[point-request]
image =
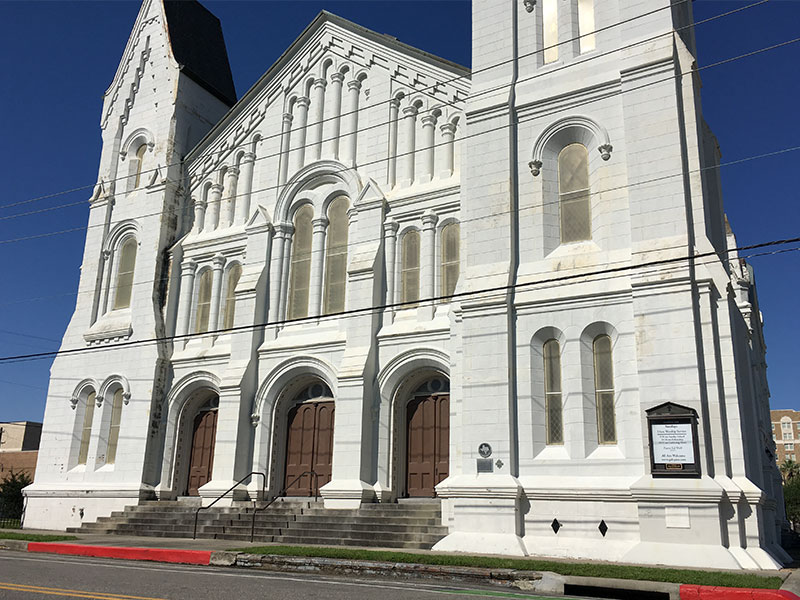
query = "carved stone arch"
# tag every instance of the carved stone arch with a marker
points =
(455, 118)
(345, 67)
(444, 222)
(326, 65)
(273, 384)
(404, 229)
(400, 94)
(587, 363)
(120, 232)
(575, 128)
(361, 75)
(111, 383)
(418, 101)
(83, 388)
(135, 139)
(312, 176)
(308, 83)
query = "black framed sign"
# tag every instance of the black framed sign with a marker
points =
(674, 448)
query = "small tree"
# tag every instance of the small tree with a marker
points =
(11, 500)
(789, 469)
(791, 497)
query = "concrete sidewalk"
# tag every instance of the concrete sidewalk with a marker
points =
(217, 553)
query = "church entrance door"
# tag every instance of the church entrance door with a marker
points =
(204, 435)
(309, 447)
(428, 444)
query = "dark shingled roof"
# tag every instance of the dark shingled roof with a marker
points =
(197, 44)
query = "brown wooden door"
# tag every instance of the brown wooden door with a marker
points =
(428, 444)
(309, 447)
(202, 460)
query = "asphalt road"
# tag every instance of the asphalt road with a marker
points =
(49, 577)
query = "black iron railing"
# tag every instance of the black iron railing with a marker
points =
(315, 478)
(221, 496)
(10, 522)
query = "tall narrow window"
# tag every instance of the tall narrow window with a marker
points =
(450, 258)
(113, 431)
(300, 277)
(586, 25)
(234, 273)
(409, 267)
(554, 424)
(573, 194)
(127, 262)
(86, 431)
(203, 302)
(550, 30)
(137, 179)
(336, 256)
(604, 390)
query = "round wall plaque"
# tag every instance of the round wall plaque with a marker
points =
(485, 450)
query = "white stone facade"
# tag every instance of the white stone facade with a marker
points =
(414, 145)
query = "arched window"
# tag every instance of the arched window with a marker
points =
(137, 178)
(586, 25)
(554, 422)
(86, 431)
(550, 30)
(604, 390)
(234, 273)
(409, 267)
(336, 256)
(113, 431)
(300, 277)
(450, 258)
(573, 194)
(127, 262)
(203, 302)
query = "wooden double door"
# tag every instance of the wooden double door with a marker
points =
(201, 463)
(309, 447)
(428, 444)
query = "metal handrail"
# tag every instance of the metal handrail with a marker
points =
(256, 510)
(233, 487)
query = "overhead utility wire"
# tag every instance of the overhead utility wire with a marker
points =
(354, 311)
(465, 137)
(434, 86)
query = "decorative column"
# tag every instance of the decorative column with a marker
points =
(214, 200)
(331, 144)
(199, 214)
(317, 265)
(394, 108)
(428, 130)
(286, 131)
(315, 131)
(188, 269)
(276, 272)
(107, 268)
(407, 148)
(297, 149)
(245, 189)
(216, 291)
(231, 181)
(427, 271)
(287, 259)
(389, 257)
(446, 160)
(351, 137)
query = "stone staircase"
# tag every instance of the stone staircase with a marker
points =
(404, 525)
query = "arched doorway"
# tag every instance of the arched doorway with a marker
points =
(427, 438)
(201, 456)
(309, 441)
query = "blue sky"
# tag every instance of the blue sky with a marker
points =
(57, 59)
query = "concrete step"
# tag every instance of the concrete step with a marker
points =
(379, 521)
(368, 542)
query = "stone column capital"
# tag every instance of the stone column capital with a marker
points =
(320, 224)
(199, 202)
(287, 118)
(216, 188)
(355, 84)
(284, 229)
(448, 128)
(395, 102)
(337, 77)
(303, 101)
(429, 221)
(232, 172)
(410, 111)
(429, 120)
(218, 262)
(320, 83)
(390, 228)
(248, 157)
(188, 267)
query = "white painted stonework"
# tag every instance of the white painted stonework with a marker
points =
(414, 144)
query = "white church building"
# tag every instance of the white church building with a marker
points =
(495, 288)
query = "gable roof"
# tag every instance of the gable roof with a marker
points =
(198, 46)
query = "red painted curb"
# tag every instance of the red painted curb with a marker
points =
(189, 557)
(707, 592)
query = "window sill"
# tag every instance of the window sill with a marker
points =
(112, 326)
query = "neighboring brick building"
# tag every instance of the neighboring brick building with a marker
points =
(19, 447)
(785, 432)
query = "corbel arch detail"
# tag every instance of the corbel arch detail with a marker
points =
(575, 128)
(84, 387)
(112, 382)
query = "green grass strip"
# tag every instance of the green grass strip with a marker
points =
(34, 537)
(685, 576)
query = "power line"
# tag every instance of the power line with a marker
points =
(455, 296)
(424, 90)
(465, 137)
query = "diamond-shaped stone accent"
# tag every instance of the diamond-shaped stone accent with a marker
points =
(603, 528)
(555, 525)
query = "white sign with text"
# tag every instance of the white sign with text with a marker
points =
(672, 443)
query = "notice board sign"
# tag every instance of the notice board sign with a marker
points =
(674, 451)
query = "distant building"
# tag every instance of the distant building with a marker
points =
(19, 447)
(785, 424)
